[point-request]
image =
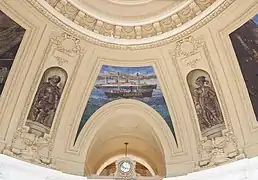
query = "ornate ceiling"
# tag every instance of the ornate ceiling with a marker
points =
(173, 45)
(125, 22)
(129, 12)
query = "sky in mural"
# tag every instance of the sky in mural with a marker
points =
(139, 83)
(255, 19)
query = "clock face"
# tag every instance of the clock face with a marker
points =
(125, 167)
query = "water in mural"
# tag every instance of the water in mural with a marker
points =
(11, 35)
(139, 83)
(245, 43)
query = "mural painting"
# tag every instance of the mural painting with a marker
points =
(245, 43)
(11, 35)
(206, 104)
(139, 83)
(46, 100)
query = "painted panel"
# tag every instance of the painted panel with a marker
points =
(11, 35)
(206, 104)
(46, 100)
(245, 43)
(139, 83)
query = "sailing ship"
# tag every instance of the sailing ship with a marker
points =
(122, 87)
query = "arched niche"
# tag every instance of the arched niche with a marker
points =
(209, 114)
(126, 120)
(46, 100)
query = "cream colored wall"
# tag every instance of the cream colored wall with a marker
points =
(37, 52)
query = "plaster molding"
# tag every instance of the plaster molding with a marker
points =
(129, 43)
(97, 120)
(236, 84)
(26, 145)
(17, 75)
(227, 144)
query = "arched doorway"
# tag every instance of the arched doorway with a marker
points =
(132, 121)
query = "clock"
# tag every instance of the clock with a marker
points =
(125, 166)
(125, 169)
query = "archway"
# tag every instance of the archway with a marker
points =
(123, 120)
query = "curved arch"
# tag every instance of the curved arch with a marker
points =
(162, 135)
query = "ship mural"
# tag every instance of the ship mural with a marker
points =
(139, 83)
(245, 43)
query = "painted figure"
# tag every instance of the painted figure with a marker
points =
(46, 100)
(206, 104)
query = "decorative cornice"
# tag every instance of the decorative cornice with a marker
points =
(105, 29)
(177, 19)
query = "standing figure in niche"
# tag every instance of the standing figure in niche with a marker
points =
(46, 101)
(206, 104)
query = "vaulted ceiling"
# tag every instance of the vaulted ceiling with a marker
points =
(80, 41)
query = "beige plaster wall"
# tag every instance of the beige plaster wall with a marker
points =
(214, 54)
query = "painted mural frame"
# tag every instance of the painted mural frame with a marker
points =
(246, 57)
(244, 95)
(120, 82)
(246, 117)
(75, 148)
(8, 93)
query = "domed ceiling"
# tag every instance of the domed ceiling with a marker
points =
(118, 21)
(129, 12)
(127, 70)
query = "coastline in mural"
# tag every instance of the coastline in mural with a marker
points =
(245, 43)
(139, 83)
(11, 35)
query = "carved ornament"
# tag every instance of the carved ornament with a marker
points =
(216, 144)
(33, 140)
(180, 17)
(119, 32)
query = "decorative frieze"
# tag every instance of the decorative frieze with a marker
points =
(167, 24)
(148, 30)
